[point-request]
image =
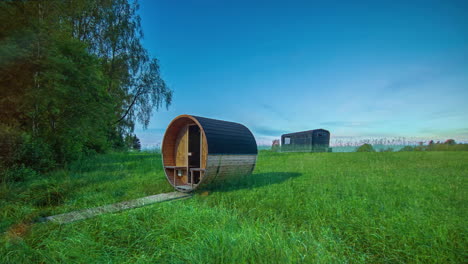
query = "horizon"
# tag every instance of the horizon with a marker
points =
(360, 70)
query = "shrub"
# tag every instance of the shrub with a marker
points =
(450, 147)
(35, 154)
(21, 156)
(9, 144)
(386, 150)
(450, 142)
(275, 146)
(132, 142)
(366, 148)
(407, 148)
(17, 173)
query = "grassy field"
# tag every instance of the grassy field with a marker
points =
(404, 207)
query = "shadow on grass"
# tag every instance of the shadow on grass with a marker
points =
(252, 181)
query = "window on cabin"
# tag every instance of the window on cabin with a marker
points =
(287, 140)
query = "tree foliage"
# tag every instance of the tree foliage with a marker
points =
(366, 148)
(132, 142)
(74, 76)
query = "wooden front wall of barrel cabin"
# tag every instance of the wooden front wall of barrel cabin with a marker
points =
(179, 156)
(192, 158)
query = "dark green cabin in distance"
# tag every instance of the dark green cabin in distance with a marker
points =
(317, 140)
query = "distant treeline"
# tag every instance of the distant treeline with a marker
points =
(74, 80)
(448, 145)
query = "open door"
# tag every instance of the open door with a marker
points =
(194, 152)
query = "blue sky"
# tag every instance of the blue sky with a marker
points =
(356, 68)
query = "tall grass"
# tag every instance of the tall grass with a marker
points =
(405, 207)
(89, 182)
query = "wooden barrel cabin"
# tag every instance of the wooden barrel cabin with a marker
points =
(198, 151)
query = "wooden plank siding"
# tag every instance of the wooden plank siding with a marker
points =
(222, 167)
(181, 147)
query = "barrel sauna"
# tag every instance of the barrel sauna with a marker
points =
(198, 151)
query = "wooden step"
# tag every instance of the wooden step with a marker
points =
(185, 187)
(176, 167)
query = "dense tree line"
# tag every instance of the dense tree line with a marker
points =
(74, 79)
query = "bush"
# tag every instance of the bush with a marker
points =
(17, 173)
(449, 147)
(275, 146)
(450, 142)
(132, 142)
(407, 148)
(21, 156)
(366, 148)
(9, 144)
(35, 154)
(386, 150)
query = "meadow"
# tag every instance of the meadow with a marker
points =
(389, 207)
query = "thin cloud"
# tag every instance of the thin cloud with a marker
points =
(268, 131)
(459, 133)
(275, 111)
(348, 124)
(426, 75)
(445, 114)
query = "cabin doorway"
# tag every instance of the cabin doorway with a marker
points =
(194, 151)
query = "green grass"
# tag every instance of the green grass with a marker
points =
(404, 207)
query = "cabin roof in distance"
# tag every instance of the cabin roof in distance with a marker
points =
(305, 132)
(226, 137)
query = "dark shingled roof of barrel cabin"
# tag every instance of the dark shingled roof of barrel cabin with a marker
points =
(227, 137)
